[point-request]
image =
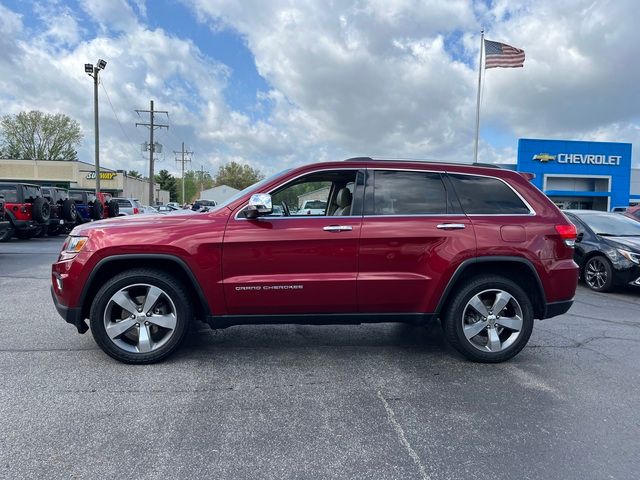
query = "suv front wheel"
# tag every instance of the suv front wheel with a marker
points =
(489, 319)
(140, 316)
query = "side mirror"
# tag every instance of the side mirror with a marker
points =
(259, 204)
(579, 237)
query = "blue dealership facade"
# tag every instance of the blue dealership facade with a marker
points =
(585, 175)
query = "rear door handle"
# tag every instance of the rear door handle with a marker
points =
(451, 226)
(337, 228)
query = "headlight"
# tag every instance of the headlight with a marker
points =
(75, 244)
(632, 257)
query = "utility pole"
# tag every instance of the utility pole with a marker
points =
(202, 172)
(93, 71)
(152, 147)
(183, 161)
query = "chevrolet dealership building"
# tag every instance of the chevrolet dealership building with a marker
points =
(585, 175)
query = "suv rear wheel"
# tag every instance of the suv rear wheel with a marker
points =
(489, 319)
(41, 210)
(140, 316)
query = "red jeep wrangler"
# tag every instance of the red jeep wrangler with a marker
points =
(479, 248)
(27, 210)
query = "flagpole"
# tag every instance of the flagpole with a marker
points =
(475, 145)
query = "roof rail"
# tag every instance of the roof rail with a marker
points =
(420, 160)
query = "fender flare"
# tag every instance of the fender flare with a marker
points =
(150, 256)
(486, 259)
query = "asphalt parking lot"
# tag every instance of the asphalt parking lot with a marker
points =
(272, 402)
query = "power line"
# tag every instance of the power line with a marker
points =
(114, 111)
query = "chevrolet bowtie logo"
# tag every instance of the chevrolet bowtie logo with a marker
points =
(544, 157)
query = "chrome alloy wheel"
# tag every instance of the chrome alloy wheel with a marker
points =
(492, 320)
(140, 318)
(595, 274)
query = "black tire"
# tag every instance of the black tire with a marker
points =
(453, 319)
(7, 234)
(114, 208)
(41, 210)
(97, 210)
(595, 265)
(69, 210)
(41, 231)
(174, 291)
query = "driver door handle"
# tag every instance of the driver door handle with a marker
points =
(337, 228)
(451, 226)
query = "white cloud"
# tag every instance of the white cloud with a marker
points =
(378, 77)
(383, 77)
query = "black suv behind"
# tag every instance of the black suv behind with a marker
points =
(63, 210)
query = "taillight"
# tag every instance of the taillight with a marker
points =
(568, 233)
(135, 210)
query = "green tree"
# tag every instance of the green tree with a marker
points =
(134, 174)
(194, 182)
(236, 175)
(37, 135)
(166, 181)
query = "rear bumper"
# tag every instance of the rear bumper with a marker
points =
(557, 308)
(26, 224)
(71, 315)
(59, 222)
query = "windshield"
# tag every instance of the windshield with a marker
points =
(255, 186)
(611, 224)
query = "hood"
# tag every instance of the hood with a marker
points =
(627, 243)
(139, 221)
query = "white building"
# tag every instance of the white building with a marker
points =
(219, 194)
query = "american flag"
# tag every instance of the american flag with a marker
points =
(502, 55)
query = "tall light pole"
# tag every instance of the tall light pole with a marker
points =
(92, 71)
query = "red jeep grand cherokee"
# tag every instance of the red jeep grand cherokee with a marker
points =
(479, 248)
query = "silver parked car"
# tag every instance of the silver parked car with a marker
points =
(128, 206)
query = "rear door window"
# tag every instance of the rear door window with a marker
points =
(487, 196)
(398, 192)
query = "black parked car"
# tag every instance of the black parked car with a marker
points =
(607, 249)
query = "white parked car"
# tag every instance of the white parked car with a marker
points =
(128, 206)
(313, 207)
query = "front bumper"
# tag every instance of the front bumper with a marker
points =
(70, 314)
(626, 276)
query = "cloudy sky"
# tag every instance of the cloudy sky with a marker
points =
(276, 83)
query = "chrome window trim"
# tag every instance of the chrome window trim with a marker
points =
(297, 217)
(356, 169)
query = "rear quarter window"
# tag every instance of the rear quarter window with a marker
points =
(487, 196)
(10, 194)
(123, 203)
